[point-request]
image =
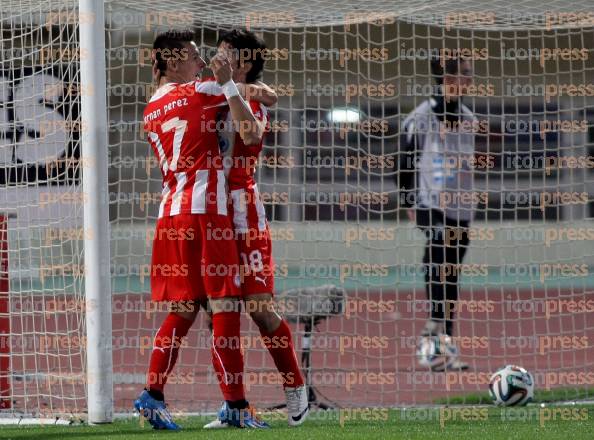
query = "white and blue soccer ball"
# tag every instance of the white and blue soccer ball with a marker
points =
(511, 386)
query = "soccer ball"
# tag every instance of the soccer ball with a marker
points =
(511, 386)
(436, 352)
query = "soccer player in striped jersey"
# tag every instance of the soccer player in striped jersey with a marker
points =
(189, 267)
(246, 52)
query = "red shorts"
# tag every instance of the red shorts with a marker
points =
(194, 258)
(255, 252)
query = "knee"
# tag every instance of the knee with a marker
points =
(267, 321)
(188, 316)
(189, 312)
(208, 321)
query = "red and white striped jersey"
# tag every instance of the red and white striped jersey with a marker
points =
(240, 163)
(181, 123)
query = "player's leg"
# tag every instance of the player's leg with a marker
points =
(257, 290)
(436, 347)
(175, 278)
(168, 339)
(166, 344)
(227, 359)
(431, 223)
(257, 286)
(277, 338)
(455, 251)
(222, 282)
(226, 349)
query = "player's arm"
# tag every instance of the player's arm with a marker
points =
(251, 129)
(258, 91)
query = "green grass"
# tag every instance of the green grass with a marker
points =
(544, 396)
(459, 423)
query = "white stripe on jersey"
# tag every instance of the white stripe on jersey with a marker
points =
(221, 193)
(239, 210)
(259, 209)
(164, 197)
(241, 202)
(209, 88)
(199, 192)
(176, 202)
(162, 91)
(162, 158)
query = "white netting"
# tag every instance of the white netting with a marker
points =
(320, 236)
(40, 189)
(472, 14)
(367, 69)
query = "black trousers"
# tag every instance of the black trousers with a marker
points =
(447, 243)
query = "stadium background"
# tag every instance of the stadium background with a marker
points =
(315, 224)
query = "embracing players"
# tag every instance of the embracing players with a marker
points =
(246, 52)
(188, 267)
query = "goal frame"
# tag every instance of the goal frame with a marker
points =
(97, 362)
(94, 154)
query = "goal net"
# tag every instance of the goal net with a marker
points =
(347, 76)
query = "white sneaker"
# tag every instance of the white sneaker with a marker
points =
(439, 353)
(216, 424)
(457, 365)
(297, 405)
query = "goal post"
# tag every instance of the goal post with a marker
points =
(75, 77)
(5, 402)
(96, 211)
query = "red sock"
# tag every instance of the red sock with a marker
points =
(227, 356)
(280, 345)
(219, 371)
(165, 349)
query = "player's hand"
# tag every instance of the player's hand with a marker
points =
(410, 213)
(221, 68)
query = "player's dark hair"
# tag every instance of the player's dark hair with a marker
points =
(250, 48)
(441, 67)
(168, 43)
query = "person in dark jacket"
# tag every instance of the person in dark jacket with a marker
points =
(436, 186)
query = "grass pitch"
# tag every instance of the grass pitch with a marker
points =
(459, 423)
